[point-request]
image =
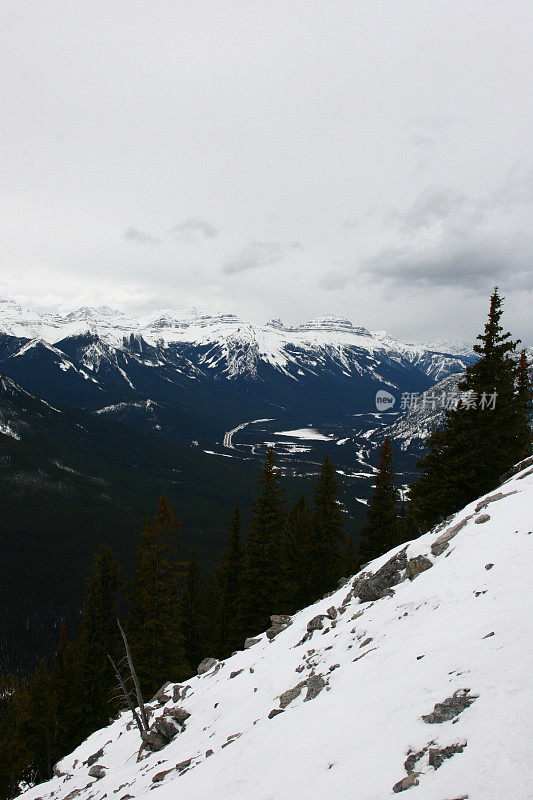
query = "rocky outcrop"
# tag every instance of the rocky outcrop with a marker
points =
(482, 518)
(381, 582)
(97, 771)
(250, 642)
(417, 565)
(317, 623)
(279, 623)
(437, 755)
(206, 665)
(450, 708)
(442, 542)
(288, 696)
(315, 684)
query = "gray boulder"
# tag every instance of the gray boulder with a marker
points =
(315, 684)
(97, 771)
(161, 696)
(317, 623)
(437, 755)
(180, 715)
(250, 642)
(94, 758)
(406, 783)
(482, 518)
(442, 542)
(417, 565)
(332, 612)
(380, 584)
(207, 664)
(288, 696)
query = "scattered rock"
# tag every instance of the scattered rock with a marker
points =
(438, 756)
(279, 623)
(183, 765)
(288, 696)
(442, 542)
(208, 753)
(417, 565)
(333, 667)
(207, 664)
(342, 582)
(489, 566)
(406, 783)
(237, 672)
(451, 707)
(97, 771)
(317, 623)
(179, 714)
(275, 712)
(158, 777)
(91, 760)
(315, 684)
(250, 642)
(482, 518)
(332, 612)
(488, 635)
(57, 771)
(367, 641)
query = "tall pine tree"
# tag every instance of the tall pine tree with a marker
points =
(381, 531)
(483, 437)
(230, 588)
(99, 638)
(191, 612)
(328, 534)
(155, 622)
(264, 548)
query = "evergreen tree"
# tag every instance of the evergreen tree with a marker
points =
(349, 561)
(230, 587)
(263, 549)
(38, 723)
(155, 625)
(328, 535)
(64, 676)
(480, 439)
(381, 530)
(299, 551)
(99, 637)
(15, 757)
(191, 612)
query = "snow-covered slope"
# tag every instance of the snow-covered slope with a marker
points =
(421, 684)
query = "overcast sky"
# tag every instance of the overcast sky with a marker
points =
(285, 158)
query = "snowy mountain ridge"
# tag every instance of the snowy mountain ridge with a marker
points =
(413, 676)
(225, 343)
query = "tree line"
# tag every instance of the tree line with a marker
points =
(288, 559)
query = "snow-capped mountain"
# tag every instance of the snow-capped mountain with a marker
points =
(414, 675)
(211, 365)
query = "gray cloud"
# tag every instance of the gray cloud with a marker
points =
(259, 254)
(476, 264)
(140, 237)
(194, 228)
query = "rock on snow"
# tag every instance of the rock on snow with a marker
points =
(412, 692)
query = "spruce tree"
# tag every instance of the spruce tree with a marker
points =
(300, 586)
(263, 549)
(523, 383)
(381, 530)
(64, 676)
(483, 437)
(349, 561)
(99, 638)
(328, 534)
(38, 723)
(191, 612)
(155, 624)
(230, 587)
